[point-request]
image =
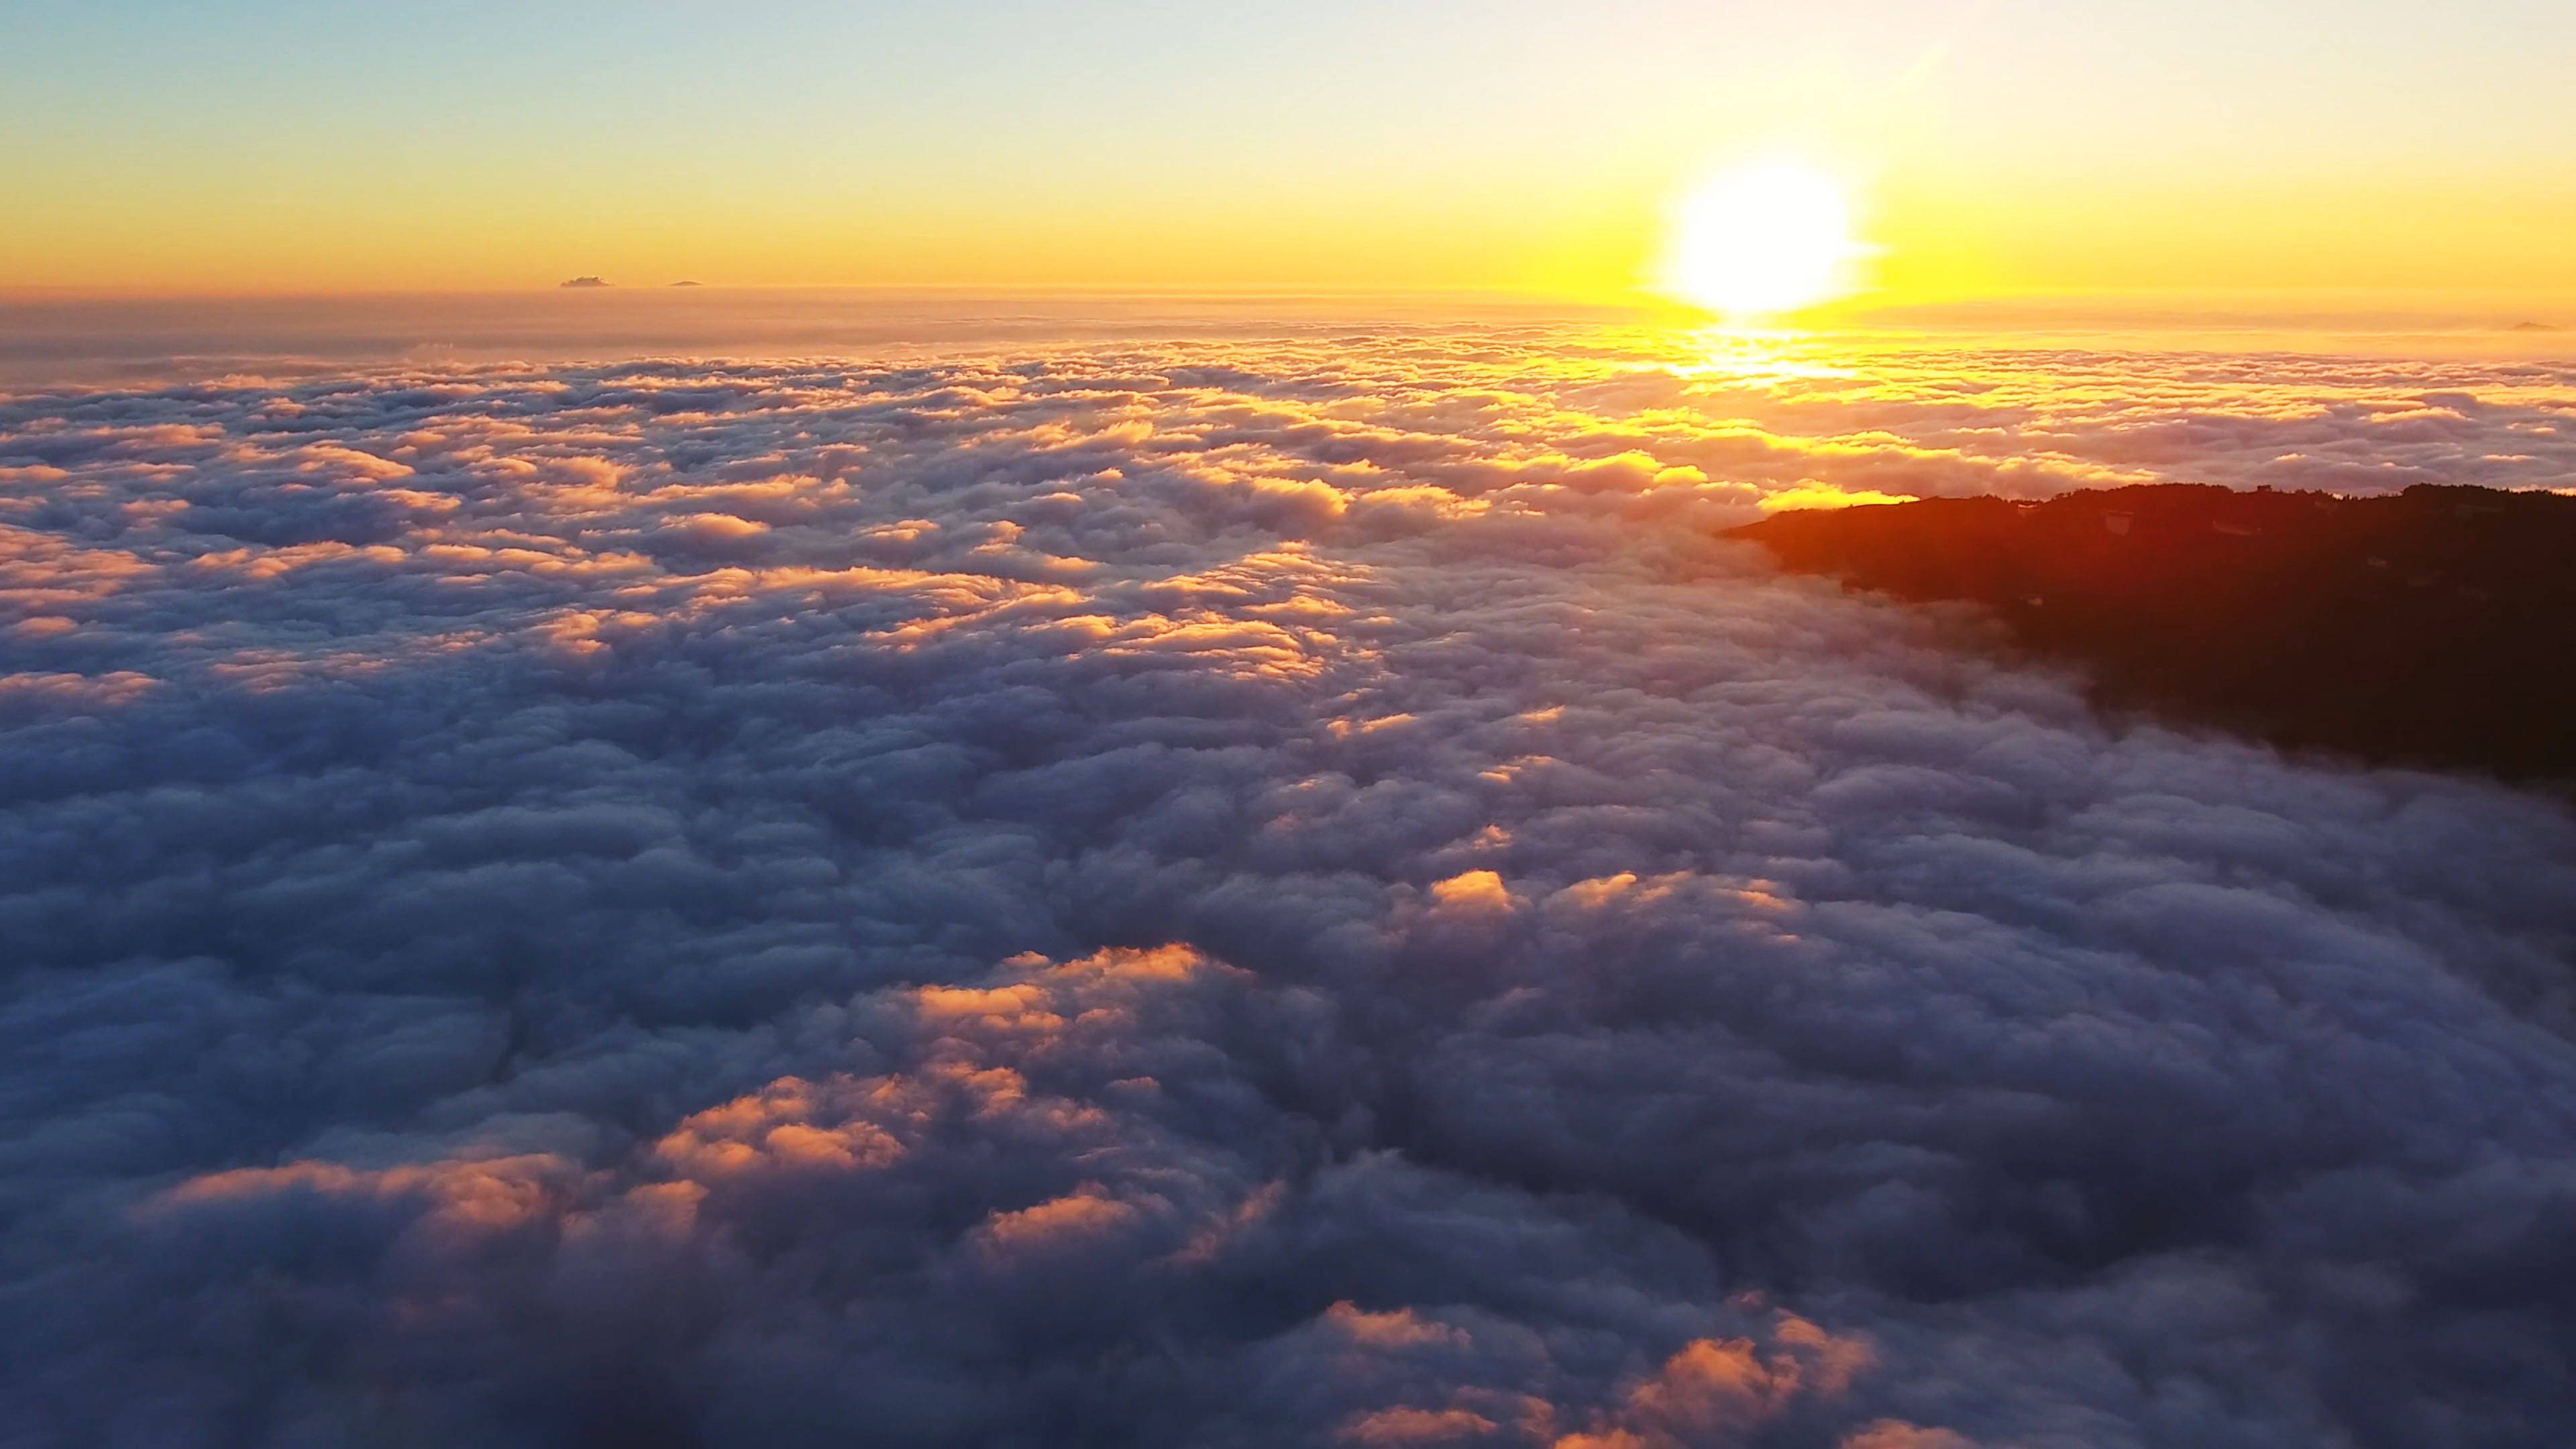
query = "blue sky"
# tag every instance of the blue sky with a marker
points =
(141, 130)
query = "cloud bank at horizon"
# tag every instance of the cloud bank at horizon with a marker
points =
(1225, 894)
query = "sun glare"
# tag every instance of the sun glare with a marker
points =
(1761, 241)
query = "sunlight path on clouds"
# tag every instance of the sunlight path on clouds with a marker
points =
(1224, 895)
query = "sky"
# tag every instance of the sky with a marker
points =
(1992, 147)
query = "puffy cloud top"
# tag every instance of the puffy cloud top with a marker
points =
(1226, 894)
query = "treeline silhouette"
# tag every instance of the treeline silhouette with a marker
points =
(2427, 628)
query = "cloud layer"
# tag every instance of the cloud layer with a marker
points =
(1226, 894)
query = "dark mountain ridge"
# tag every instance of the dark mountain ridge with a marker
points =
(2429, 628)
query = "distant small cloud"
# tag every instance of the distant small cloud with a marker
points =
(688, 284)
(584, 282)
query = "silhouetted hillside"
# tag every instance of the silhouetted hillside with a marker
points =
(2428, 628)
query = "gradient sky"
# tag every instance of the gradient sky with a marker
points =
(1997, 146)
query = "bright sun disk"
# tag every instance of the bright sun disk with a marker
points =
(1763, 240)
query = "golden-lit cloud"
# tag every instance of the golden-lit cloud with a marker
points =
(1280, 888)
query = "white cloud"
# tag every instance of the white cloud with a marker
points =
(1224, 893)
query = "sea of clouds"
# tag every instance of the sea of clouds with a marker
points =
(1229, 893)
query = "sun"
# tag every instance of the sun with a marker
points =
(1762, 240)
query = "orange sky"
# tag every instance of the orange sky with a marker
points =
(1992, 148)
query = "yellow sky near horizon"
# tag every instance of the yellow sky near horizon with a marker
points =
(1990, 148)
(1937, 247)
